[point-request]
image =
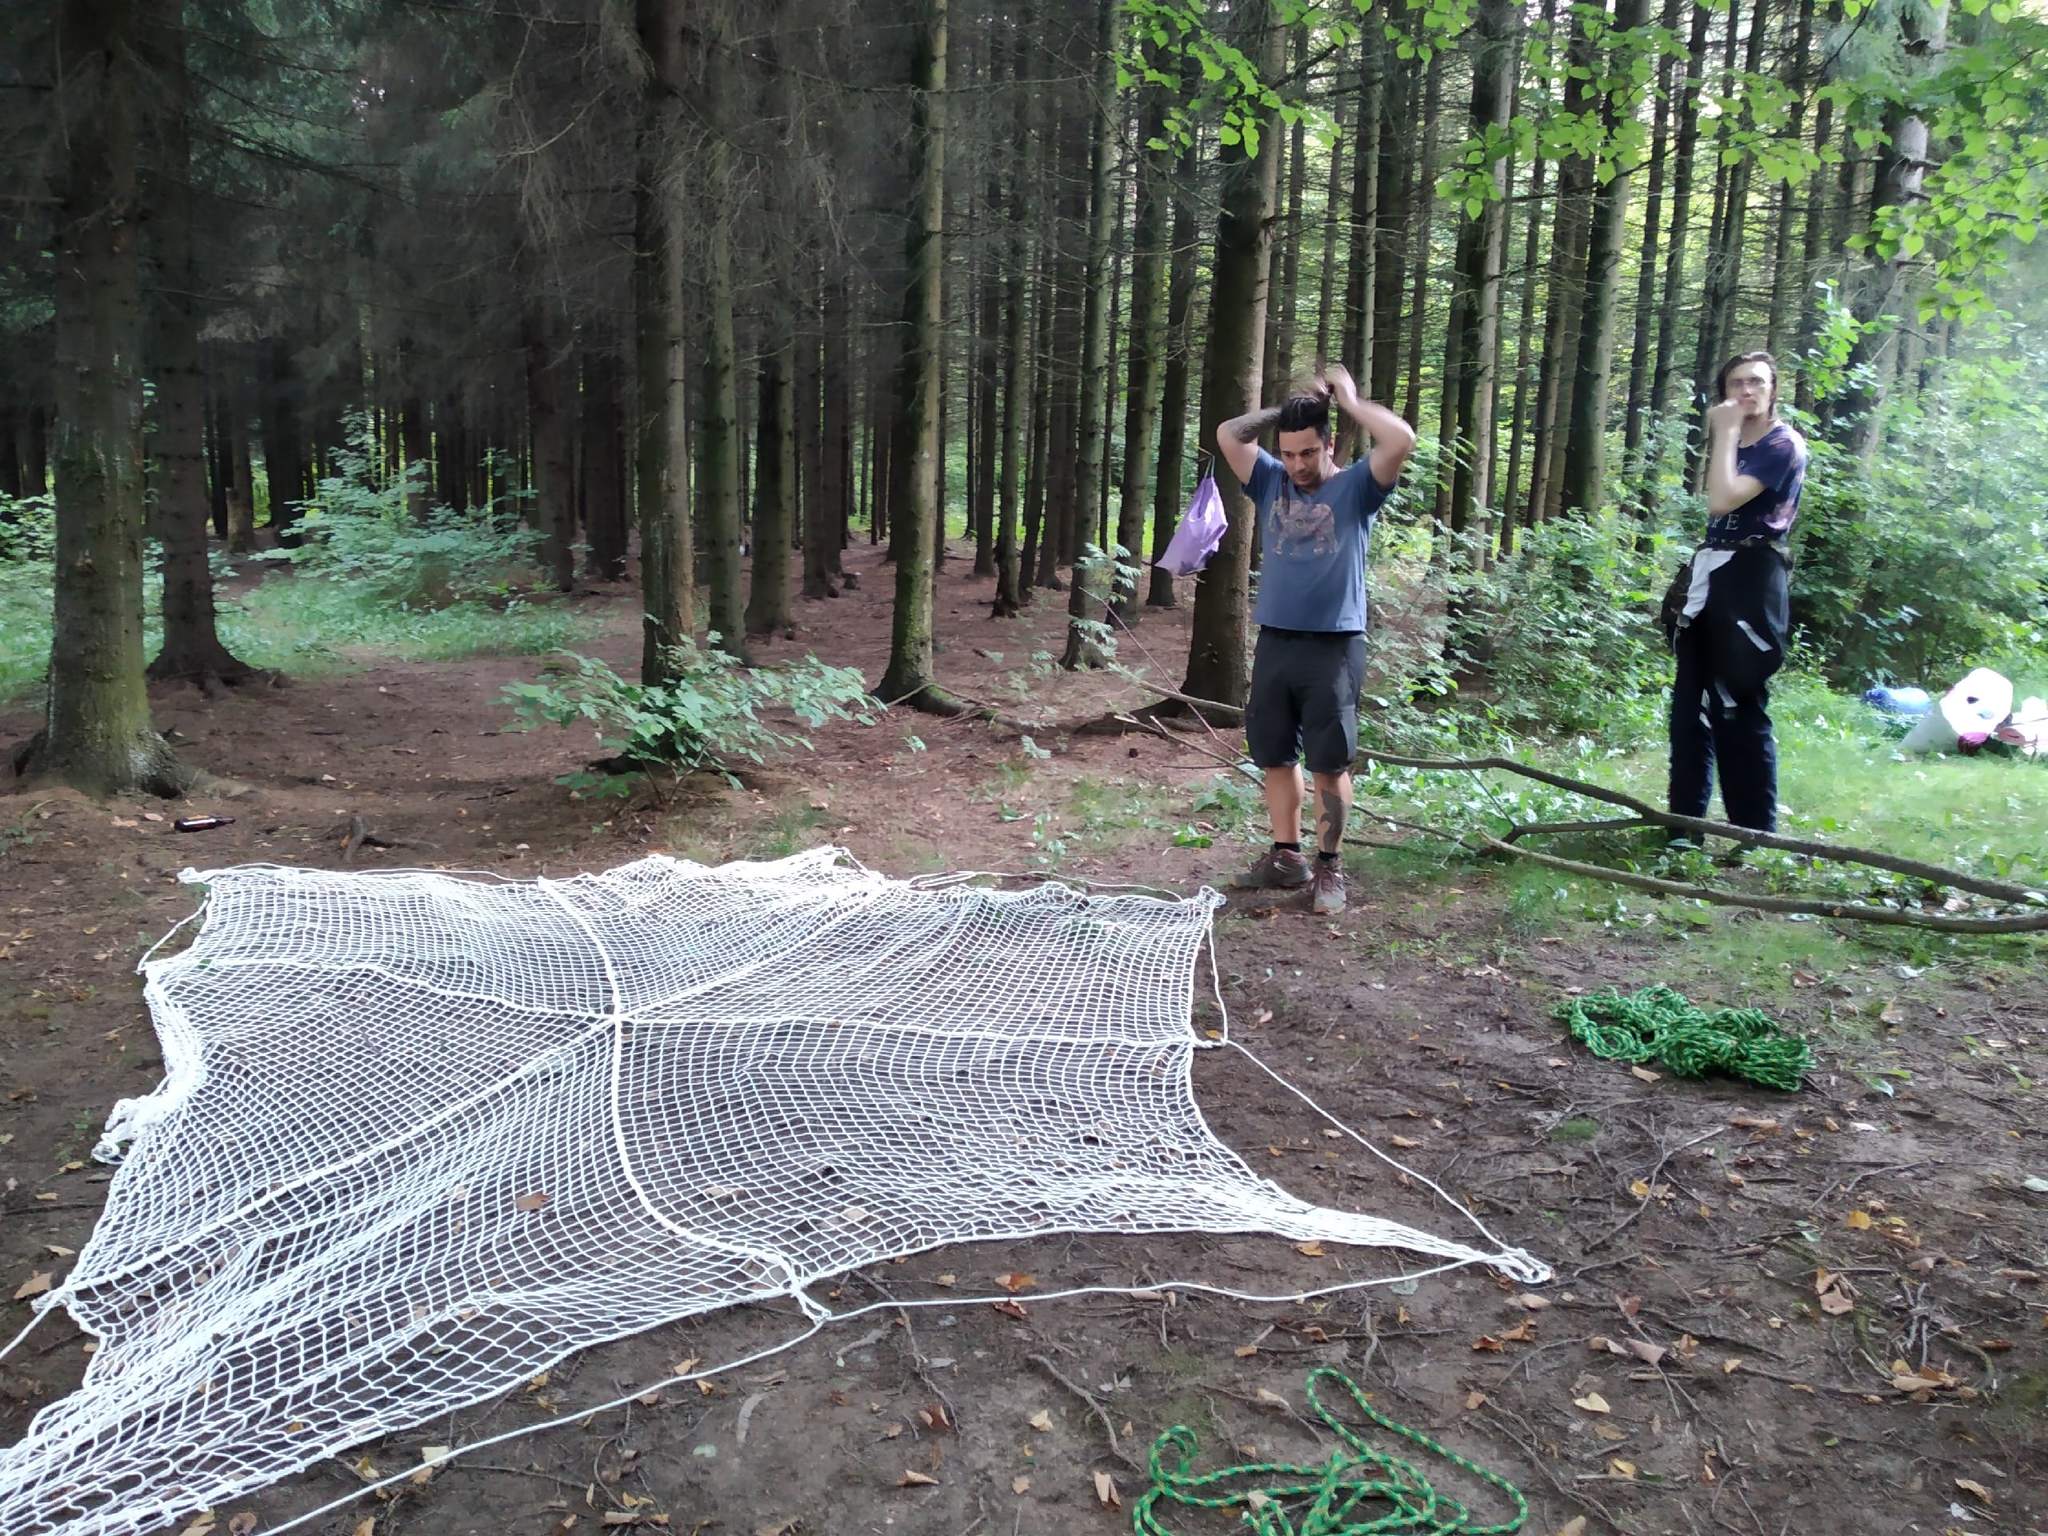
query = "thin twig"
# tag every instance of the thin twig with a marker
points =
(1101, 1415)
(1651, 1182)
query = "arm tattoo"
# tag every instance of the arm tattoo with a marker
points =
(1330, 822)
(1246, 428)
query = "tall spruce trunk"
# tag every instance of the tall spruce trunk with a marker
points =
(1176, 345)
(242, 485)
(1567, 261)
(775, 487)
(827, 513)
(987, 403)
(1326, 274)
(1509, 493)
(1148, 284)
(1390, 204)
(97, 734)
(1363, 259)
(1017, 371)
(1724, 257)
(1585, 466)
(1810, 245)
(1019, 384)
(718, 431)
(1785, 276)
(603, 459)
(908, 677)
(1283, 346)
(661, 436)
(1635, 411)
(1668, 308)
(1480, 244)
(1217, 660)
(1039, 435)
(192, 650)
(1425, 229)
(1069, 222)
(284, 471)
(554, 484)
(1090, 595)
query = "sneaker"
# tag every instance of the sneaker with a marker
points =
(1278, 869)
(1326, 889)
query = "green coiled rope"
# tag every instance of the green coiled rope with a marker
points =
(1658, 1024)
(1336, 1498)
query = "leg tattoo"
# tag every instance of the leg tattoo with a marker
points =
(1330, 821)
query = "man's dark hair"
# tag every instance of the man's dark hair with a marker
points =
(1306, 413)
(1733, 363)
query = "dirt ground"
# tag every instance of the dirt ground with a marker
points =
(1690, 1368)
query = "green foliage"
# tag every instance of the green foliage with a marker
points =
(309, 626)
(1931, 559)
(709, 716)
(359, 527)
(1570, 642)
(27, 541)
(1984, 98)
(318, 620)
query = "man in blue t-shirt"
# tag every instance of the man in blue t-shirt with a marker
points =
(1730, 608)
(1315, 522)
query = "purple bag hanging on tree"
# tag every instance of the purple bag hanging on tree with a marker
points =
(1201, 529)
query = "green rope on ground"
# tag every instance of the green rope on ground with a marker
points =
(1285, 1498)
(1658, 1024)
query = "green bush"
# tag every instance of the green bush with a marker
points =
(359, 527)
(707, 717)
(27, 546)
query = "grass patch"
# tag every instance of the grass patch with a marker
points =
(1580, 1128)
(787, 831)
(308, 626)
(1842, 780)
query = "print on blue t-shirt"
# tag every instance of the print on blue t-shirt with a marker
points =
(1777, 460)
(1313, 546)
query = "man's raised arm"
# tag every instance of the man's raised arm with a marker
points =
(1238, 441)
(1393, 440)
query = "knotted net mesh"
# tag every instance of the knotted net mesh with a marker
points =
(422, 1135)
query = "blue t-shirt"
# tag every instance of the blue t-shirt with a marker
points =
(1778, 461)
(1313, 546)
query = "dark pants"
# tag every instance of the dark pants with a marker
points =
(1303, 705)
(1720, 702)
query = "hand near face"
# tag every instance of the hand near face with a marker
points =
(1725, 417)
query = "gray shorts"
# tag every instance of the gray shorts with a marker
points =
(1304, 699)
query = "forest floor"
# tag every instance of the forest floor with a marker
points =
(1690, 1369)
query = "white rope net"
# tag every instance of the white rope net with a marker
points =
(423, 1135)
